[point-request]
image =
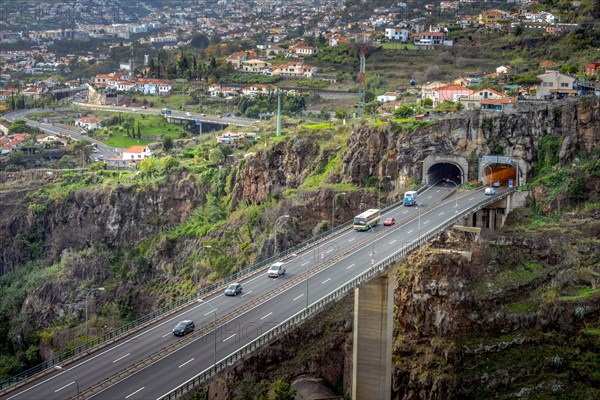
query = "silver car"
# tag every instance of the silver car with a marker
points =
(276, 270)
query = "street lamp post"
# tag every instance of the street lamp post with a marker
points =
(215, 330)
(275, 227)
(379, 190)
(456, 199)
(302, 258)
(419, 212)
(98, 289)
(333, 207)
(59, 368)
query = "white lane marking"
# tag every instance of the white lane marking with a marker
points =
(350, 266)
(405, 212)
(470, 198)
(409, 232)
(296, 298)
(426, 222)
(120, 358)
(429, 197)
(139, 390)
(168, 321)
(187, 362)
(302, 265)
(67, 385)
(165, 335)
(442, 213)
(211, 312)
(250, 291)
(351, 239)
(325, 281)
(437, 191)
(266, 315)
(229, 337)
(392, 242)
(329, 251)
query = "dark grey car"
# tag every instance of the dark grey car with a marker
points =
(184, 327)
(233, 289)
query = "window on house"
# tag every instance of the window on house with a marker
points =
(564, 85)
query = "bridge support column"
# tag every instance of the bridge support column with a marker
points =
(372, 347)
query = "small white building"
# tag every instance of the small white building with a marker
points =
(136, 153)
(388, 96)
(89, 123)
(397, 34)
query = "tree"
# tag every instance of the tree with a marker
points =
(149, 167)
(216, 157)
(82, 150)
(569, 69)
(403, 111)
(167, 143)
(169, 164)
(200, 41)
(281, 390)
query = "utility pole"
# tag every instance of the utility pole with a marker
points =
(279, 112)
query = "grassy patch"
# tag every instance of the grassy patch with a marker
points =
(581, 294)
(316, 179)
(152, 129)
(324, 125)
(510, 277)
(398, 46)
(520, 307)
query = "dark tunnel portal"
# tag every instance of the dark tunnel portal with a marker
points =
(444, 172)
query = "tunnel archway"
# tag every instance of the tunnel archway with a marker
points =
(499, 174)
(444, 172)
(437, 167)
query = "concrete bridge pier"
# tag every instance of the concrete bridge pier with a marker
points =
(372, 346)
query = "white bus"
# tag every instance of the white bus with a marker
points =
(367, 220)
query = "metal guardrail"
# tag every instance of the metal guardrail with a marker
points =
(149, 318)
(319, 305)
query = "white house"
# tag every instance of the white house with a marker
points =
(89, 123)
(136, 153)
(397, 34)
(388, 96)
(501, 70)
(556, 84)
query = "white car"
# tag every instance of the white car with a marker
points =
(490, 191)
(188, 114)
(276, 270)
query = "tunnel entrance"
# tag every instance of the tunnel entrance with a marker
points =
(444, 172)
(498, 174)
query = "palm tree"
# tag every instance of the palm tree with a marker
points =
(83, 150)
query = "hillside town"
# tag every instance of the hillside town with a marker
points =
(132, 42)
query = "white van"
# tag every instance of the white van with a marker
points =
(490, 191)
(276, 270)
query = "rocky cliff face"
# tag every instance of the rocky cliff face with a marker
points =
(471, 134)
(127, 214)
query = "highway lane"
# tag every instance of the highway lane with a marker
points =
(160, 377)
(126, 352)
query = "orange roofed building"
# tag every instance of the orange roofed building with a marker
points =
(136, 153)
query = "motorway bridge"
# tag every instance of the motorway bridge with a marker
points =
(148, 362)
